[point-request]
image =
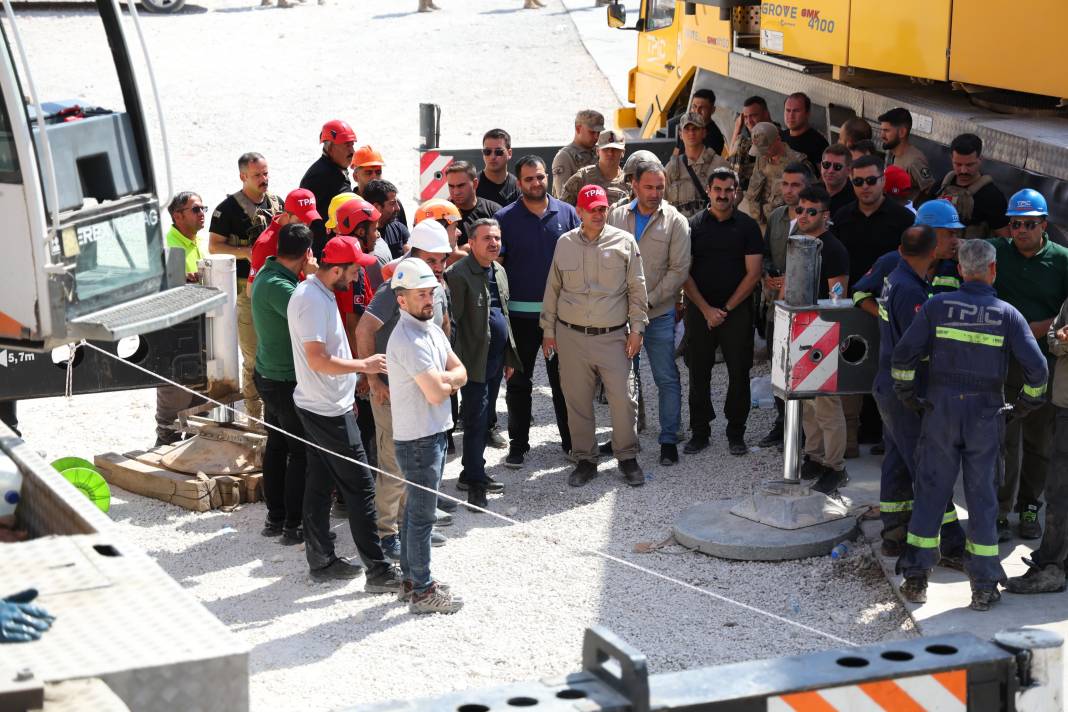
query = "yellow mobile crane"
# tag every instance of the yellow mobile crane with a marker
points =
(960, 66)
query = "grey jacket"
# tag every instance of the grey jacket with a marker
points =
(665, 252)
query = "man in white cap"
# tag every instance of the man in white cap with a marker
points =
(429, 243)
(425, 373)
(607, 172)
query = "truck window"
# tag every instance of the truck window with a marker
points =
(659, 14)
(9, 162)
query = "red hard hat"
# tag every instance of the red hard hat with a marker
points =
(353, 213)
(337, 131)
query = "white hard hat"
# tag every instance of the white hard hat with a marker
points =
(430, 236)
(413, 273)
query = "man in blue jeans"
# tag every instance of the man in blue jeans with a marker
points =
(424, 373)
(663, 235)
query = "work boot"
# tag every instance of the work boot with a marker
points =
(892, 548)
(695, 444)
(831, 480)
(669, 454)
(914, 589)
(476, 497)
(337, 570)
(951, 561)
(1038, 579)
(491, 484)
(387, 579)
(1004, 531)
(1030, 528)
(773, 438)
(515, 457)
(737, 446)
(582, 474)
(984, 598)
(271, 528)
(810, 469)
(632, 472)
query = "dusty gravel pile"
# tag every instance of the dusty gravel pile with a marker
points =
(236, 78)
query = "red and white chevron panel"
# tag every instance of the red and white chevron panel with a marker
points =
(432, 167)
(813, 353)
(940, 692)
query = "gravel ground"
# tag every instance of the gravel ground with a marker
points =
(237, 78)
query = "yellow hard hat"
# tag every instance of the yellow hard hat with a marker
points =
(336, 202)
(437, 209)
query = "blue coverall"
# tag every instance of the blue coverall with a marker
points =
(969, 336)
(903, 292)
(870, 286)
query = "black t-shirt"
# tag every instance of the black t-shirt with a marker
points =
(483, 209)
(843, 198)
(396, 235)
(867, 238)
(834, 262)
(324, 179)
(989, 206)
(500, 193)
(713, 138)
(231, 221)
(811, 143)
(719, 250)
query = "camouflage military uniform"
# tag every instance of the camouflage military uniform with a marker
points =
(765, 187)
(567, 162)
(914, 163)
(681, 191)
(740, 160)
(616, 188)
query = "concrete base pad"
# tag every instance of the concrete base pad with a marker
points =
(712, 529)
(790, 505)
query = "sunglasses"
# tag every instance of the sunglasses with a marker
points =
(1025, 224)
(811, 212)
(827, 165)
(870, 180)
(493, 151)
(198, 209)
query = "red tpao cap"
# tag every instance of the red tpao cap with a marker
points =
(301, 202)
(344, 249)
(592, 196)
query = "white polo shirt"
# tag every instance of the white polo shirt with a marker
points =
(313, 316)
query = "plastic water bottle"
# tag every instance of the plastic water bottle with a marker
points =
(10, 486)
(841, 551)
(836, 292)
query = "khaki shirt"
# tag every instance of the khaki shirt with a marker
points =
(597, 283)
(740, 160)
(681, 192)
(567, 162)
(617, 188)
(765, 187)
(665, 251)
(914, 163)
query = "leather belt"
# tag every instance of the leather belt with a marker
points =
(592, 330)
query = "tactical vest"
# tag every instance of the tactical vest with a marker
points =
(259, 217)
(963, 200)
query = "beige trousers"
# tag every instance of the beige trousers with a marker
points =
(825, 431)
(246, 341)
(389, 493)
(582, 359)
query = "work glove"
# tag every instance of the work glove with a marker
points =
(21, 622)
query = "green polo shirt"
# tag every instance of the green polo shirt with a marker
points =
(271, 290)
(191, 247)
(1035, 285)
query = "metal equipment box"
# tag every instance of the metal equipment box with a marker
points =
(826, 350)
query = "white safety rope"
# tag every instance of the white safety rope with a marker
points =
(503, 518)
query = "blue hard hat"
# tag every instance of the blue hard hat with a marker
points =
(1027, 202)
(938, 213)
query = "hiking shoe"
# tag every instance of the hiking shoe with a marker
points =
(605, 448)
(773, 438)
(737, 446)
(1038, 579)
(271, 528)
(386, 580)
(583, 473)
(1030, 528)
(514, 460)
(446, 505)
(437, 538)
(404, 593)
(914, 589)
(810, 469)
(984, 598)
(435, 599)
(391, 547)
(442, 519)
(892, 548)
(695, 444)
(476, 497)
(831, 480)
(337, 570)
(632, 472)
(1004, 531)
(491, 485)
(669, 454)
(495, 440)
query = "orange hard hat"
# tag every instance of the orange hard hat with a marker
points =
(366, 156)
(437, 209)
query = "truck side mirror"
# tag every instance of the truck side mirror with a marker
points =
(617, 15)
